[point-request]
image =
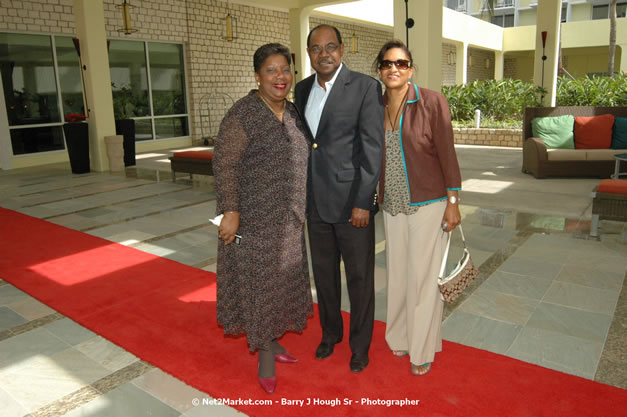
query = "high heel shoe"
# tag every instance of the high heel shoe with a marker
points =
(268, 384)
(285, 357)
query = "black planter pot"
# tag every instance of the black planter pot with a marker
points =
(126, 128)
(77, 140)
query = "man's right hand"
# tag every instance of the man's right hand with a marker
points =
(360, 217)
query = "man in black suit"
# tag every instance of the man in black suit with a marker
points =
(344, 112)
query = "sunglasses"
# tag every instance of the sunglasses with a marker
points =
(401, 64)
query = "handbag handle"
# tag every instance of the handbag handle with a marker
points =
(448, 245)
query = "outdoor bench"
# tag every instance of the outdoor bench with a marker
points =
(609, 202)
(191, 162)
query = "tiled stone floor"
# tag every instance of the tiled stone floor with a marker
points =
(546, 293)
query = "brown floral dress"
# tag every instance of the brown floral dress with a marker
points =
(260, 168)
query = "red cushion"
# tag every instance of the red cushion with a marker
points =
(194, 154)
(613, 186)
(594, 132)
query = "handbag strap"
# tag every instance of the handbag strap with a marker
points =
(448, 246)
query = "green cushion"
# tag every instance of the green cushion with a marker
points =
(619, 134)
(556, 132)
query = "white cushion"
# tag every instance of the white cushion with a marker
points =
(602, 154)
(566, 154)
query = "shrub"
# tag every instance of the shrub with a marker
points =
(506, 100)
(497, 100)
(592, 91)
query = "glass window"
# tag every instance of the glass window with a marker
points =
(497, 20)
(600, 12)
(503, 20)
(564, 13)
(129, 81)
(621, 9)
(37, 139)
(68, 66)
(171, 127)
(167, 78)
(28, 79)
(143, 129)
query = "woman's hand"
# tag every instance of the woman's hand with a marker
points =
(452, 216)
(228, 226)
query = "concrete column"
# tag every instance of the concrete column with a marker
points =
(622, 65)
(548, 19)
(299, 29)
(425, 39)
(90, 29)
(499, 65)
(461, 69)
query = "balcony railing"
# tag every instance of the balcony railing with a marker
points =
(503, 3)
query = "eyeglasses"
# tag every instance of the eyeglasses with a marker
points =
(401, 64)
(330, 48)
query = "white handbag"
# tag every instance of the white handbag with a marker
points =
(453, 284)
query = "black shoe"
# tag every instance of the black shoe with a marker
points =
(324, 350)
(359, 363)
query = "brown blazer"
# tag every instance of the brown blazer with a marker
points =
(428, 149)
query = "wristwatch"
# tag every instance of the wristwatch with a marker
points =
(453, 200)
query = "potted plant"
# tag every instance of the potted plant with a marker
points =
(76, 133)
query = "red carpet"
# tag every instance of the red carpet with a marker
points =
(164, 313)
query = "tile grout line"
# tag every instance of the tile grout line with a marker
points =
(127, 219)
(101, 206)
(92, 391)
(487, 268)
(31, 325)
(129, 187)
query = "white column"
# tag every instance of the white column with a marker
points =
(461, 69)
(499, 65)
(548, 19)
(90, 30)
(622, 66)
(425, 39)
(299, 29)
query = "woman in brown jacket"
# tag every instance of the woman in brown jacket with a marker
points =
(418, 190)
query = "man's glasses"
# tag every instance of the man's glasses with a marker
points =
(330, 48)
(401, 64)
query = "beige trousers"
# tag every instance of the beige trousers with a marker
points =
(414, 246)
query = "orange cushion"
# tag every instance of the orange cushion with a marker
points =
(594, 132)
(613, 186)
(194, 154)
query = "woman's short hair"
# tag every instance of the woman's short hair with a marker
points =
(395, 43)
(267, 50)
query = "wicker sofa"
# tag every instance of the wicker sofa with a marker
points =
(542, 162)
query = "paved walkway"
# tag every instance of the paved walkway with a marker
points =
(547, 293)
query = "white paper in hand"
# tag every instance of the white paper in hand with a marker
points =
(217, 220)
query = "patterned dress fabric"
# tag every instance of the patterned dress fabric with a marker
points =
(396, 196)
(260, 167)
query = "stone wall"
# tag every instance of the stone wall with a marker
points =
(214, 66)
(478, 70)
(219, 71)
(492, 137)
(449, 70)
(370, 42)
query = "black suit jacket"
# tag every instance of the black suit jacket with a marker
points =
(347, 151)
